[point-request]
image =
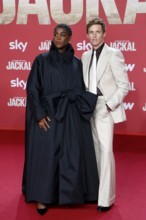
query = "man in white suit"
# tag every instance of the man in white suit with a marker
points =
(109, 80)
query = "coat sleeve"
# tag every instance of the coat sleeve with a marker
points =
(83, 83)
(34, 88)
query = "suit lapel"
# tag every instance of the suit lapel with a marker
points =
(101, 65)
(102, 61)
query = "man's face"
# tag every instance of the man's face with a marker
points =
(61, 38)
(95, 35)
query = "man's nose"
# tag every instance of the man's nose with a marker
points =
(94, 34)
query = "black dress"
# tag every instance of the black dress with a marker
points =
(60, 165)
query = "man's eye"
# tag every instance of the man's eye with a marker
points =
(63, 35)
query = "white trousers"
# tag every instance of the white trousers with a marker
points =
(103, 129)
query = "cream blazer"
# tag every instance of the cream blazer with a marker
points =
(112, 79)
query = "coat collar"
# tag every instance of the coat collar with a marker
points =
(67, 56)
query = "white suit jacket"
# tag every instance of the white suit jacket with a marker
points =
(112, 79)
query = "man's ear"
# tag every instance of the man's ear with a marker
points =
(104, 35)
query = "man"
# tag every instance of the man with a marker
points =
(109, 80)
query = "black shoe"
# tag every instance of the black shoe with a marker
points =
(42, 211)
(103, 209)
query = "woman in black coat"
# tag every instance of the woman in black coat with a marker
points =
(60, 165)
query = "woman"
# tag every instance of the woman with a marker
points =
(60, 164)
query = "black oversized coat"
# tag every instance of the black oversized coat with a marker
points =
(60, 165)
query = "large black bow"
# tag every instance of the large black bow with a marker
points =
(57, 104)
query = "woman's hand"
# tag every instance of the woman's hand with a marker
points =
(44, 123)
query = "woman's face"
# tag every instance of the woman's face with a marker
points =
(61, 38)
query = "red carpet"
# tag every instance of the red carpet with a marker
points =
(130, 155)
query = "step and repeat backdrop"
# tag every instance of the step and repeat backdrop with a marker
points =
(26, 30)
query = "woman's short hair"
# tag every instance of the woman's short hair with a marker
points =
(66, 27)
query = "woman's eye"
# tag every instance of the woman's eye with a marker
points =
(61, 35)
